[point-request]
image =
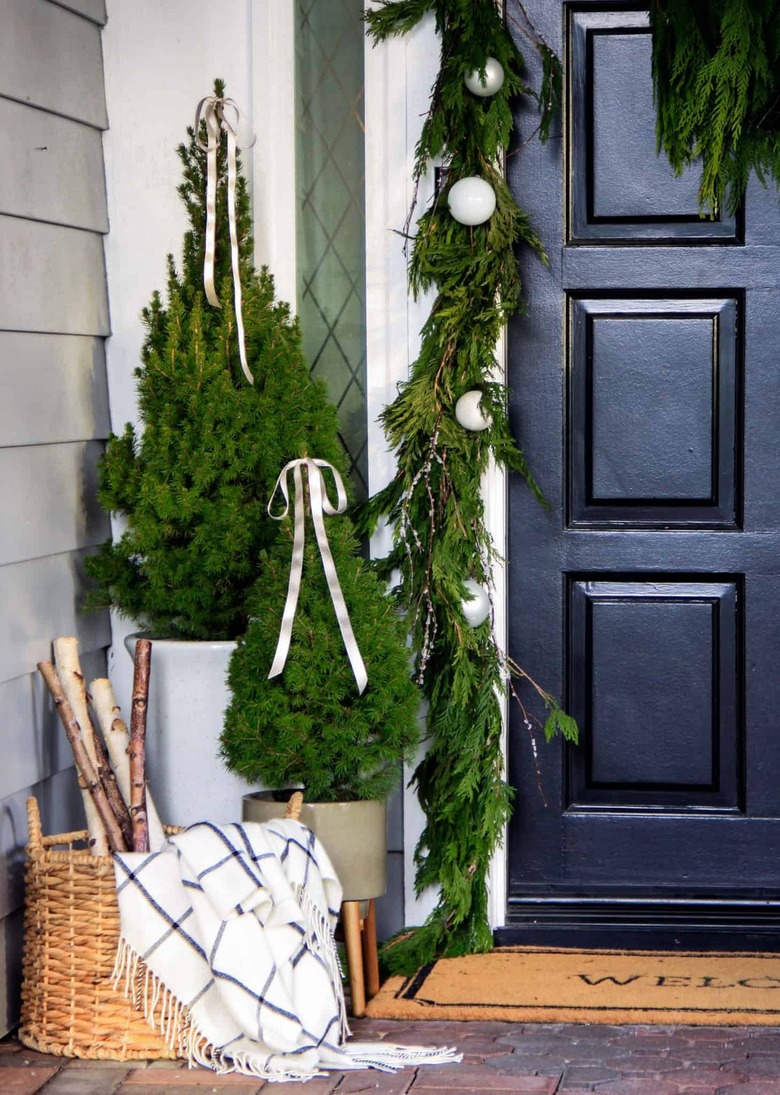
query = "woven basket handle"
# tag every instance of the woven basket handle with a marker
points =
(294, 806)
(35, 838)
(37, 843)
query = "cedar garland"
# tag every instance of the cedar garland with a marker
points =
(434, 500)
(716, 70)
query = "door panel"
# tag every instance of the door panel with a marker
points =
(679, 745)
(654, 411)
(644, 386)
(620, 188)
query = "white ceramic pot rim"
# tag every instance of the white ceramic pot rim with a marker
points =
(180, 644)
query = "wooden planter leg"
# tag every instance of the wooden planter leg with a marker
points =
(350, 920)
(370, 955)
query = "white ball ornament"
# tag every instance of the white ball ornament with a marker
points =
(491, 83)
(476, 607)
(468, 412)
(472, 200)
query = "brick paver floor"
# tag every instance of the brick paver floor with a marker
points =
(498, 1058)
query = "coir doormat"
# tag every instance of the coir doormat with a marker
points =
(557, 985)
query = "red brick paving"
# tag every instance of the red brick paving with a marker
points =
(25, 1081)
(527, 1059)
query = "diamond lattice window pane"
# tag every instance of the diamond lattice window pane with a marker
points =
(331, 215)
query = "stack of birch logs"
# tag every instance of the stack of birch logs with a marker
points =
(111, 772)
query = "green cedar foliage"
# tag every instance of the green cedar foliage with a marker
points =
(715, 70)
(309, 726)
(194, 484)
(434, 500)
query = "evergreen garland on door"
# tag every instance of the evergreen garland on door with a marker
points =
(442, 550)
(716, 69)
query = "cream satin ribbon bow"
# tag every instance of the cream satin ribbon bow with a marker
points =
(211, 110)
(319, 503)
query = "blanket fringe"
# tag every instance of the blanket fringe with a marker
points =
(389, 1058)
(163, 1011)
(174, 1020)
(321, 941)
(166, 1013)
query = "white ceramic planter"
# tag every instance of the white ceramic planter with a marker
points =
(188, 695)
(352, 833)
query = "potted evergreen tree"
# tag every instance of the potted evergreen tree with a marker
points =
(310, 727)
(193, 483)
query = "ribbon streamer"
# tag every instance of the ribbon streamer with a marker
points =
(319, 504)
(211, 110)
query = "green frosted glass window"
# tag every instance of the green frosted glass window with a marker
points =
(331, 216)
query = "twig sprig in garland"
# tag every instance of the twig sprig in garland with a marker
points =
(716, 70)
(434, 501)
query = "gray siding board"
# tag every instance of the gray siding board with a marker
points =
(52, 58)
(41, 599)
(54, 413)
(53, 168)
(32, 742)
(11, 964)
(52, 279)
(50, 503)
(55, 388)
(90, 9)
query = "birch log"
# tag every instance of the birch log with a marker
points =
(117, 803)
(117, 739)
(140, 702)
(66, 659)
(84, 765)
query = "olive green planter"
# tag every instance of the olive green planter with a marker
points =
(352, 833)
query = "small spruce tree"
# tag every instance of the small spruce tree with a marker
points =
(194, 485)
(309, 726)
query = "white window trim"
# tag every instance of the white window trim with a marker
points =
(273, 174)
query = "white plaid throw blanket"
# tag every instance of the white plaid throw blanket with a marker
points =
(227, 946)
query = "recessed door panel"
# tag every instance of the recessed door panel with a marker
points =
(620, 189)
(654, 411)
(655, 685)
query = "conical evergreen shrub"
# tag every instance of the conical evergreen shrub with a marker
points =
(194, 484)
(309, 726)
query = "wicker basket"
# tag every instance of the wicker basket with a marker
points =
(71, 931)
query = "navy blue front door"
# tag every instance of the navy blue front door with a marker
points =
(645, 390)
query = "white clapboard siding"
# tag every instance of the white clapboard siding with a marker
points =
(41, 599)
(90, 9)
(51, 278)
(50, 168)
(51, 57)
(54, 388)
(54, 410)
(49, 500)
(32, 742)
